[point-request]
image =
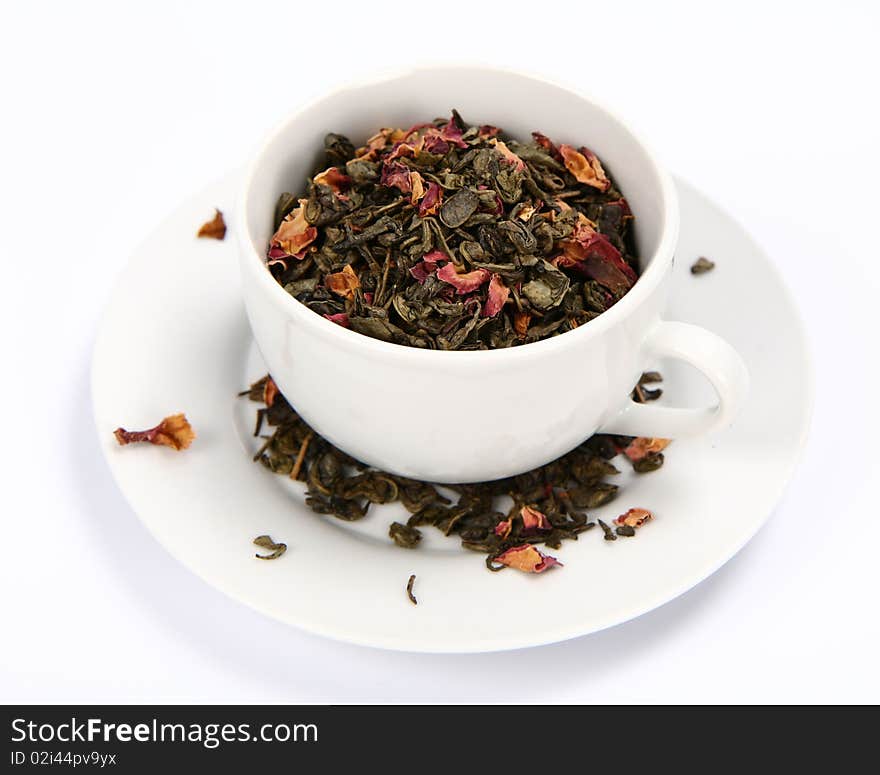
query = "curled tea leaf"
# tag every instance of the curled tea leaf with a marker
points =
(215, 228)
(409, 590)
(404, 535)
(650, 462)
(702, 265)
(607, 532)
(266, 542)
(174, 431)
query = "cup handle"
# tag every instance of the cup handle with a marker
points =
(708, 352)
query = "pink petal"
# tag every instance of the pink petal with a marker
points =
(527, 558)
(431, 201)
(503, 528)
(452, 134)
(463, 283)
(396, 175)
(534, 521)
(498, 293)
(340, 318)
(634, 518)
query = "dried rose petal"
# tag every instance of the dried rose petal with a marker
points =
(400, 150)
(521, 321)
(509, 156)
(634, 518)
(417, 187)
(432, 142)
(504, 527)
(293, 237)
(527, 559)
(215, 228)
(174, 431)
(498, 293)
(431, 201)
(534, 521)
(427, 266)
(465, 282)
(592, 254)
(416, 128)
(547, 145)
(487, 130)
(451, 133)
(343, 283)
(270, 391)
(340, 318)
(585, 166)
(378, 142)
(643, 446)
(396, 175)
(338, 181)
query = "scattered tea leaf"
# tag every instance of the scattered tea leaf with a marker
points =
(702, 265)
(625, 530)
(215, 228)
(650, 462)
(174, 431)
(548, 502)
(266, 542)
(404, 535)
(409, 590)
(608, 533)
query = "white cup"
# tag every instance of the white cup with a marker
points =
(448, 416)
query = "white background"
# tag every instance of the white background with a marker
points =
(113, 113)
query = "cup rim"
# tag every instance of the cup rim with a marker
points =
(647, 283)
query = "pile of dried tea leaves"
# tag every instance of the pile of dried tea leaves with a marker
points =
(549, 503)
(455, 237)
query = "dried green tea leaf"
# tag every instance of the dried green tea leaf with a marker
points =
(266, 542)
(404, 535)
(409, 590)
(608, 533)
(547, 501)
(702, 265)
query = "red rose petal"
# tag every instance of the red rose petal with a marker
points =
(340, 318)
(463, 283)
(634, 518)
(534, 521)
(498, 293)
(431, 201)
(527, 558)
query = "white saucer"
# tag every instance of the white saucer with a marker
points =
(175, 338)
